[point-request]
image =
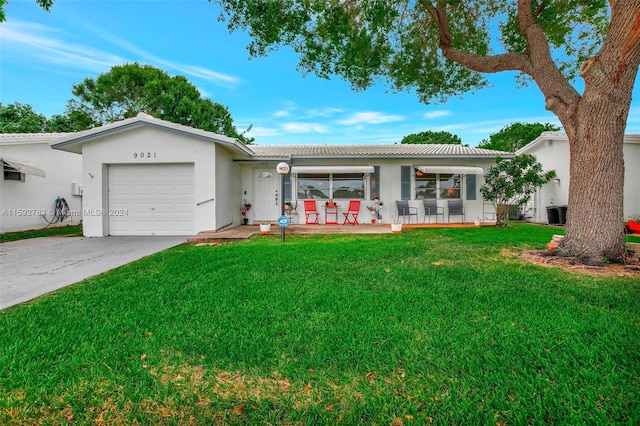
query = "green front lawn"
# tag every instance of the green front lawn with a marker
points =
(443, 326)
(66, 231)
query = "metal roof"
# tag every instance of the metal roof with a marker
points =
(73, 141)
(29, 138)
(372, 151)
(331, 169)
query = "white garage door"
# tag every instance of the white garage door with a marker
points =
(151, 199)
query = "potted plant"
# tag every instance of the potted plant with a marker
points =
(396, 226)
(375, 211)
(244, 208)
(265, 228)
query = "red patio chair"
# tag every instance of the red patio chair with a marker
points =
(351, 216)
(310, 209)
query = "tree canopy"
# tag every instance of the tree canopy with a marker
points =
(21, 118)
(514, 136)
(430, 137)
(128, 89)
(418, 45)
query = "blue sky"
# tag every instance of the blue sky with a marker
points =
(43, 53)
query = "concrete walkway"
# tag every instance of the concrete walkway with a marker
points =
(33, 267)
(247, 231)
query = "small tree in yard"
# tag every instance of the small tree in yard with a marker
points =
(513, 182)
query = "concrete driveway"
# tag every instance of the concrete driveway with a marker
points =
(33, 267)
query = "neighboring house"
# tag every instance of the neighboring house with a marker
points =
(551, 149)
(145, 176)
(33, 177)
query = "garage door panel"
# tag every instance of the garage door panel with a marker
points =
(164, 209)
(184, 189)
(183, 226)
(182, 208)
(159, 198)
(141, 208)
(119, 225)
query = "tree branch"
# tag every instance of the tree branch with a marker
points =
(487, 63)
(478, 63)
(439, 15)
(561, 98)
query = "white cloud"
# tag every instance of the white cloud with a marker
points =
(265, 132)
(322, 112)
(46, 45)
(437, 114)
(220, 79)
(304, 128)
(282, 113)
(370, 118)
(206, 74)
(38, 43)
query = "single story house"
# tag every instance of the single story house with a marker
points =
(33, 177)
(145, 176)
(551, 149)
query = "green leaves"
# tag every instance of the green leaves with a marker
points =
(128, 89)
(514, 181)
(430, 137)
(21, 118)
(516, 135)
(401, 42)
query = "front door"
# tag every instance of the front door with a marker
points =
(267, 195)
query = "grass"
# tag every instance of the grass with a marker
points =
(69, 231)
(431, 326)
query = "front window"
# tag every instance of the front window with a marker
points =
(437, 186)
(12, 174)
(449, 185)
(326, 186)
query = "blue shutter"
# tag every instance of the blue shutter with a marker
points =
(375, 183)
(287, 187)
(471, 187)
(405, 182)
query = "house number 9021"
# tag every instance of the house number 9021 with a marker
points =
(144, 155)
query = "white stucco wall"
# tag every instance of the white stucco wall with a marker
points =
(227, 189)
(552, 152)
(165, 147)
(22, 203)
(632, 176)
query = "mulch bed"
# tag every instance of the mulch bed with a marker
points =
(631, 269)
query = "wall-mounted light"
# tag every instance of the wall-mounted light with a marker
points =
(557, 181)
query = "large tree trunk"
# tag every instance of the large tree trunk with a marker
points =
(595, 229)
(595, 128)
